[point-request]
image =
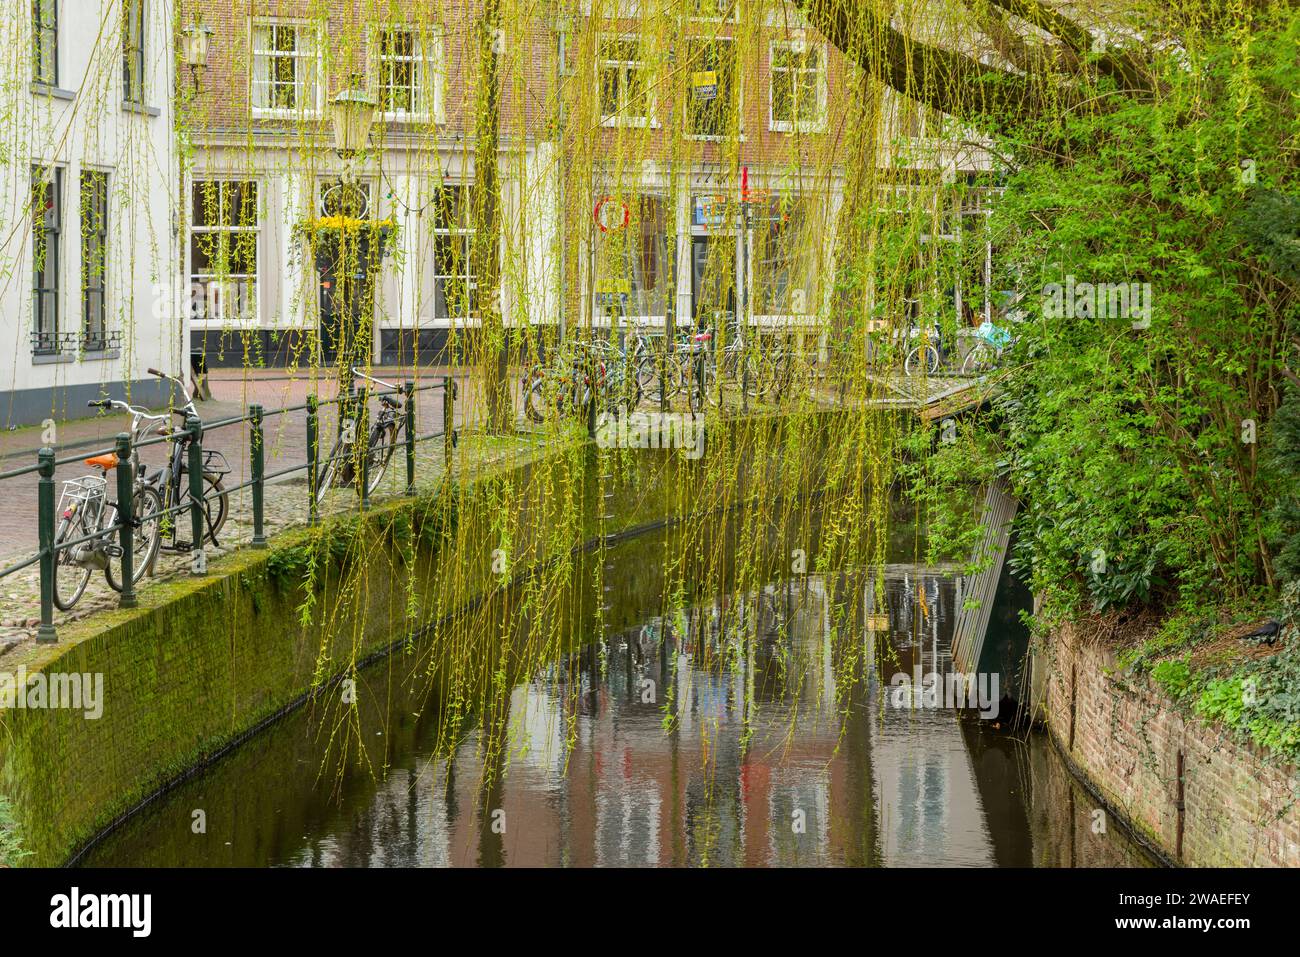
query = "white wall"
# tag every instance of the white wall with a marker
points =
(82, 123)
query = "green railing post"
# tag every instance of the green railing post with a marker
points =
(313, 457)
(361, 447)
(258, 467)
(45, 530)
(409, 389)
(448, 417)
(126, 518)
(194, 426)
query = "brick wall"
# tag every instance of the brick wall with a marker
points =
(1239, 808)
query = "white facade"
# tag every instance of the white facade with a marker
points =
(86, 115)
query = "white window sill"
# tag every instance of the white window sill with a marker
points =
(263, 113)
(628, 122)
(702, 138)
(785, 126)
(423, 119)
(130, 106)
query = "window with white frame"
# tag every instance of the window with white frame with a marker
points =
(47, 229)
(632, 262)
(710, 99)
(133, 37)
(407, 65)
(624, 83)
(286, 67)
(784, 257)
(727, 11)
(453, 267)
(224, 235)
(798, 86)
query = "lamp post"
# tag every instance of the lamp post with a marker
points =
(196, 39)
(352, 111)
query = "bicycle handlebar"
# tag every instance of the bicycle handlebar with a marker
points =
(357, 372)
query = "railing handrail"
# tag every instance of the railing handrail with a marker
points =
(193, 431)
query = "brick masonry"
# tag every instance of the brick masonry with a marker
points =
(1126, 739)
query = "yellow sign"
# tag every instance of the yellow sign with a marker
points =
(704, 84)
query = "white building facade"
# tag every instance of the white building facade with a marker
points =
(89, 234)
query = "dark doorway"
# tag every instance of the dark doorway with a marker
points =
(347, 297)
(713, 278)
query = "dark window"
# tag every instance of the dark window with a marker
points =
(223, 250)
(47, 224)
(94, 259)
(133, 51)
(709, 99)
(45, 42)
(453, 238)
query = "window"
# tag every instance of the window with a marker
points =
(407, 73)
(47, 226)
(715, 10)
(783, 259)
(624, 91)
(133, 51)
(798, 86)
(633, 273)
(286, 67)
(453, 236)
(710, 99)
(223, 250)
(94, 259)
(45, 42)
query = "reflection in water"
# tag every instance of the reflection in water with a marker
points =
(666, 743)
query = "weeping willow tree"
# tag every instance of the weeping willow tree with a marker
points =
(824, 187)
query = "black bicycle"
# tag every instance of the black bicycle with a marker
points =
(340, 468)
(172, 482)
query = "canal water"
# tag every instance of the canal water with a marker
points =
(661, 742)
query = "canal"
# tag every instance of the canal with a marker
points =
(662, 740)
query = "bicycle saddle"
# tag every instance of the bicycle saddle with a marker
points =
(702, 337)
(106, 461)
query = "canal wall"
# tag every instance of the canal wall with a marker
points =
(1197, 795)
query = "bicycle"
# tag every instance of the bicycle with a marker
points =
(990, 344)
(925, 358)
(172, 481)
(588, 368)
(83, 542)
(340, 468)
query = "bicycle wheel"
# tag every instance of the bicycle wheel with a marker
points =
(328, 472)
(216, 502)
(146, 506)
(534, 401)
(979, 360)
(379, 451)
(70, 578)
(922, 360)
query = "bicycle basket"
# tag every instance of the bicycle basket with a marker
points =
(214, 463)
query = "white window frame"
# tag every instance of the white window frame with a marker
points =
(314, 64)
(734, 18)
(474, 319)
(817, 125)
(226, 320)
(735, 79)
(430, 60)
(621, 119)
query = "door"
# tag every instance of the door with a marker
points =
(346, 297)
(713, 279)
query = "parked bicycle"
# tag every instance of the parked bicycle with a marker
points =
(339, 470)
(930, 352)
(172, 481)
(991, 342)
(587, 369)
(86, 539)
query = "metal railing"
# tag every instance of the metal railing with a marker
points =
(352, 403)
